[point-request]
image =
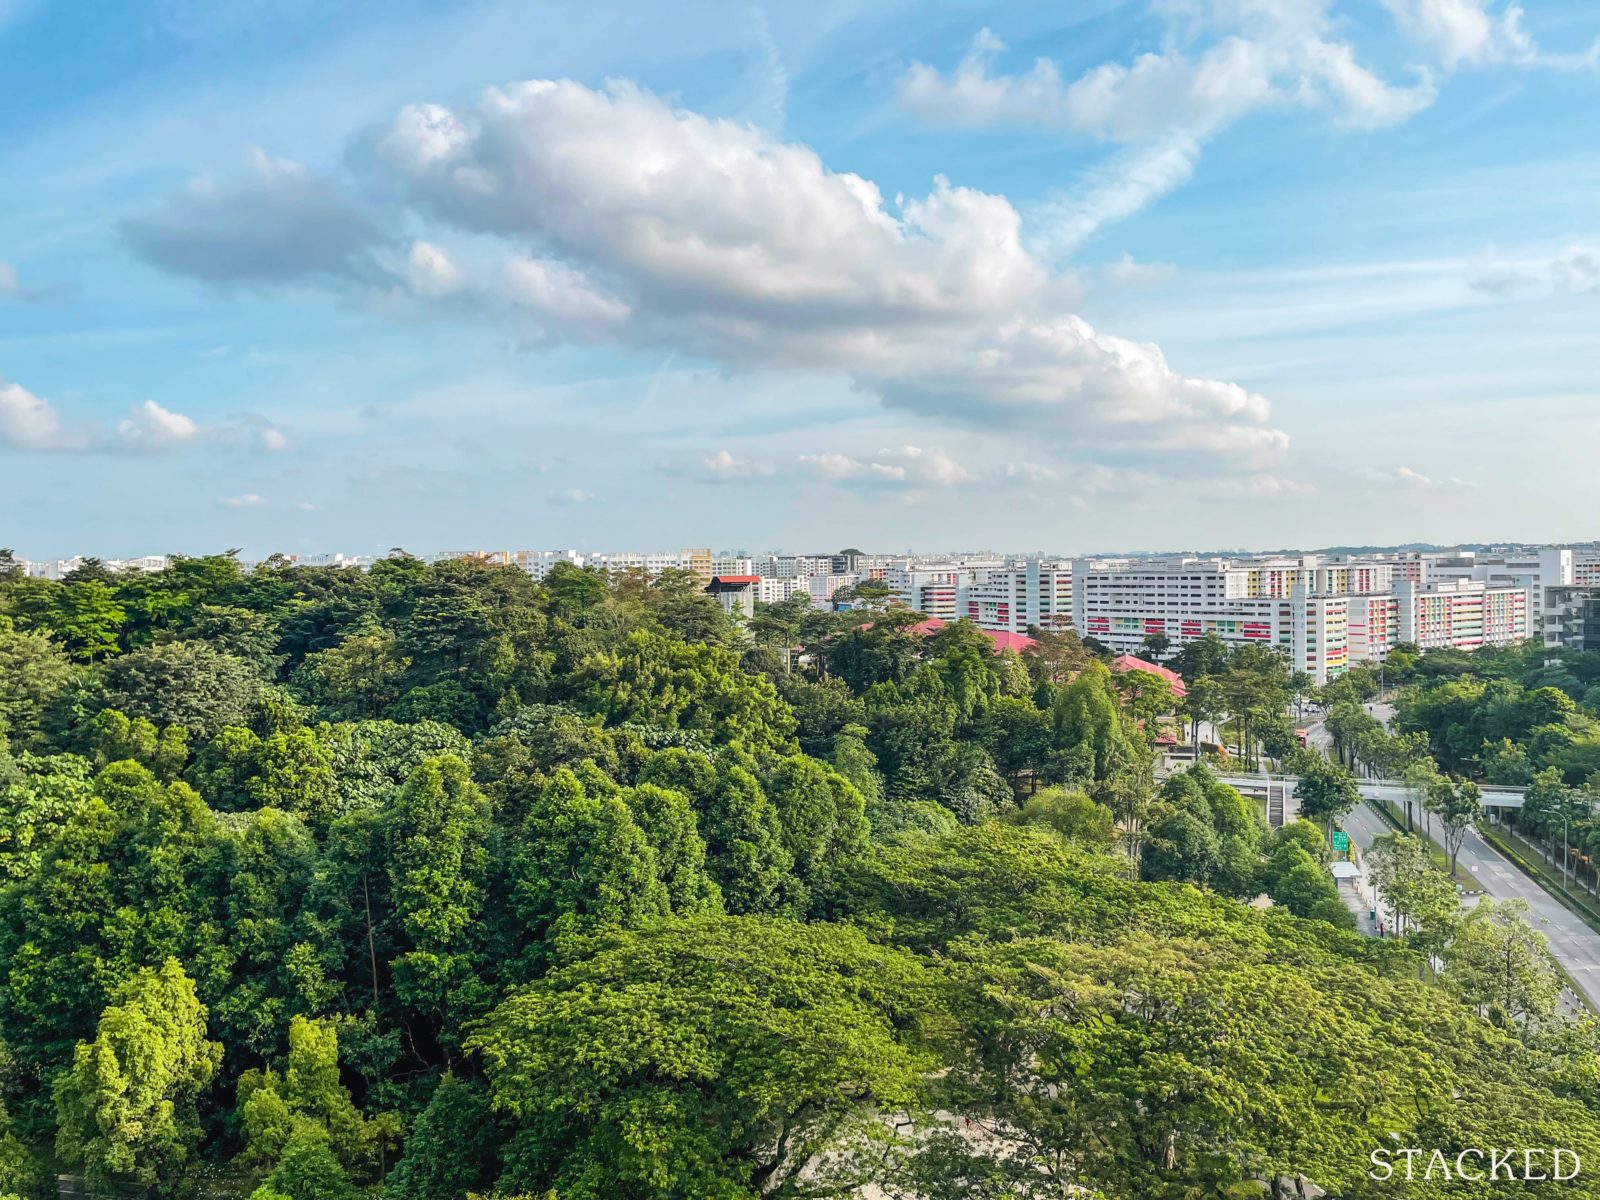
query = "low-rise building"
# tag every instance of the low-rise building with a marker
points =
(736, 593)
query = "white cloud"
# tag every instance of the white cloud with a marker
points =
(29, 422)
(1408, 477)
(1575, 270)
(149, 426)
(432, 272)
(1128, 273)
(907, 466)
(1114, 190)
(1165, 106)
(1465, 31)
(10, 285)
(1265, 55)
(723, 465)
(571, 496)
(1031, 472)
(248, 500)
(618, 218)
(662, 227)
(561, 295)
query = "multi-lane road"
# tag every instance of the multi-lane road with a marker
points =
(1480, 866)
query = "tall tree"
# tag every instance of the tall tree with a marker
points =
(125, 1109)
(438, 836)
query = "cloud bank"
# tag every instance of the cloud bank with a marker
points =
(610, 216)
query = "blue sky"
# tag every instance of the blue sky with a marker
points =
(308, 276)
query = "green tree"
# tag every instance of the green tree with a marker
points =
(822, 817)
(1458, 807)
(667, 820)
(1501, 965)
(653, 680)
(1326, 792)
(113, 737)
(33, 672)
(86, 618)
(583, 864)
(742, 830)
(454, 1147)
(438, 837)
(1087, 720)
(713, 1057)
(1071, 814)
(181, 683)
(308, 1104)
(125, 1110)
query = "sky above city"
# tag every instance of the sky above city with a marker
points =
(307, 276)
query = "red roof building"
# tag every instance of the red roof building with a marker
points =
(1001, 639)
(1127, 662)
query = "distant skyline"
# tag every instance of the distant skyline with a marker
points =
(926, 551)
(314, 277)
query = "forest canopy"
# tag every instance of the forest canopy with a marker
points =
(433, 880)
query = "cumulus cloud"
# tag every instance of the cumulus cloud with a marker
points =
(29, 422)
(724, 466)
(660, 226)
(279, 225)
(562, 296)
(151, 427)
(618, 218)
(430, 271)
(10, 285)
(248, 500)
(570, 496)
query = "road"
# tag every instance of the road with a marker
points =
(1481, 866)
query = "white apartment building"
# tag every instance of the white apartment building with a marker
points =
(1462, 614)
(1319, 623)
(1012, 598)
(697, 560)
(927, 589)
(60, 568)
(539, 562)
(798, 566)
(1535, 571)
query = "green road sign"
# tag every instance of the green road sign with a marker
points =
(1341, 841)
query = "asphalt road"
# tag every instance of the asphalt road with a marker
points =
(1481, 866)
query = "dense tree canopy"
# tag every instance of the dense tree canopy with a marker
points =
(432, 880)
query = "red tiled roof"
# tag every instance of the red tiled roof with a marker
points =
(736, 579)
(1002, 639)
(1127, 662)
